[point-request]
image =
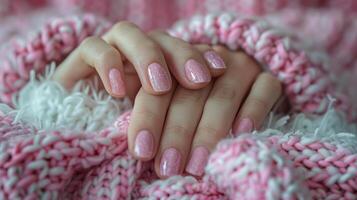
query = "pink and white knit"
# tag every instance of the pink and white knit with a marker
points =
(65, 163)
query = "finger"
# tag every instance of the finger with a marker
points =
(132, 82)
(215, 63)
(181, 120)
(220, 109)
(93, 52)
(144, 54)
(264, 93)
(147, 119)
(184, 60)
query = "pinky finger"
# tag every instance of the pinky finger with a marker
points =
(214, 61)
(263, 95)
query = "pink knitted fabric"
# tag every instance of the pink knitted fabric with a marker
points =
(97, 166)
(53, 43)
(307, 83)
(68, 164)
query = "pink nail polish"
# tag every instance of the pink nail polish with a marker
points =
(214, 60)
(196, 72)
(170, 162)
(159, 78)
(144, 144)
(245, 126)
(198, 161)
(116, 82)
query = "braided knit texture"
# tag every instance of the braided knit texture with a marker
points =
(44, 156)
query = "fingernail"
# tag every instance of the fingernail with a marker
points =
(214, 60)
(170, 162)
(245, 126)
(116, 82)
(198, 161)
(144, 144)
(196, 72)
(159, 78)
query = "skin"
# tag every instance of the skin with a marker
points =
(188, 115)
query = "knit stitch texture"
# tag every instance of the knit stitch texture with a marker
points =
(56, 144)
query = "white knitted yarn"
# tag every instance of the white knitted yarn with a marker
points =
(331, 127)
(46, 105)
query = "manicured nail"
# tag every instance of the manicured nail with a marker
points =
(159, 78)
(144, 144)
(170, 162)
(245, 126)
(198, 161)
(116, 82)
(214, 60)
(196, 72)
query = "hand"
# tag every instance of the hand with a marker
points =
(179, 129)
(126, 54)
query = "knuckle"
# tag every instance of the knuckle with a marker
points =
(147, 114)
(210, 134)
(226, 92)
(150, 45)
(156, 33)
(187, 49)
(89, 41)
(178, 130)
(245, 62)
(243, 57)
(271, 81)
(220, 49)
(256, 102)
(107, 55)
(123, 25)
(187, 96)
(203, 47)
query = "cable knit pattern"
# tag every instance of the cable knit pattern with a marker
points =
(300, 159)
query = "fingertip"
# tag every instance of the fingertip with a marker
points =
(169, 163)
(215, 62)
(197, 73)
(144, 145)
(198, 160)
(243, 125)
(116, 83)
(160, 79)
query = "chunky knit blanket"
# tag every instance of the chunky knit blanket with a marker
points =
(58, 144)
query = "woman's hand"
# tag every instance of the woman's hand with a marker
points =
(126, 54)
(175, 120)
(179, 129)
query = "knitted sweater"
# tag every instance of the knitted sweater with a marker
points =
(59, 144)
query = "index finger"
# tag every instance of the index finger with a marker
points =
(93, 52)
(144, 54)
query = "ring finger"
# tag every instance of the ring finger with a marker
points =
(221, 107)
